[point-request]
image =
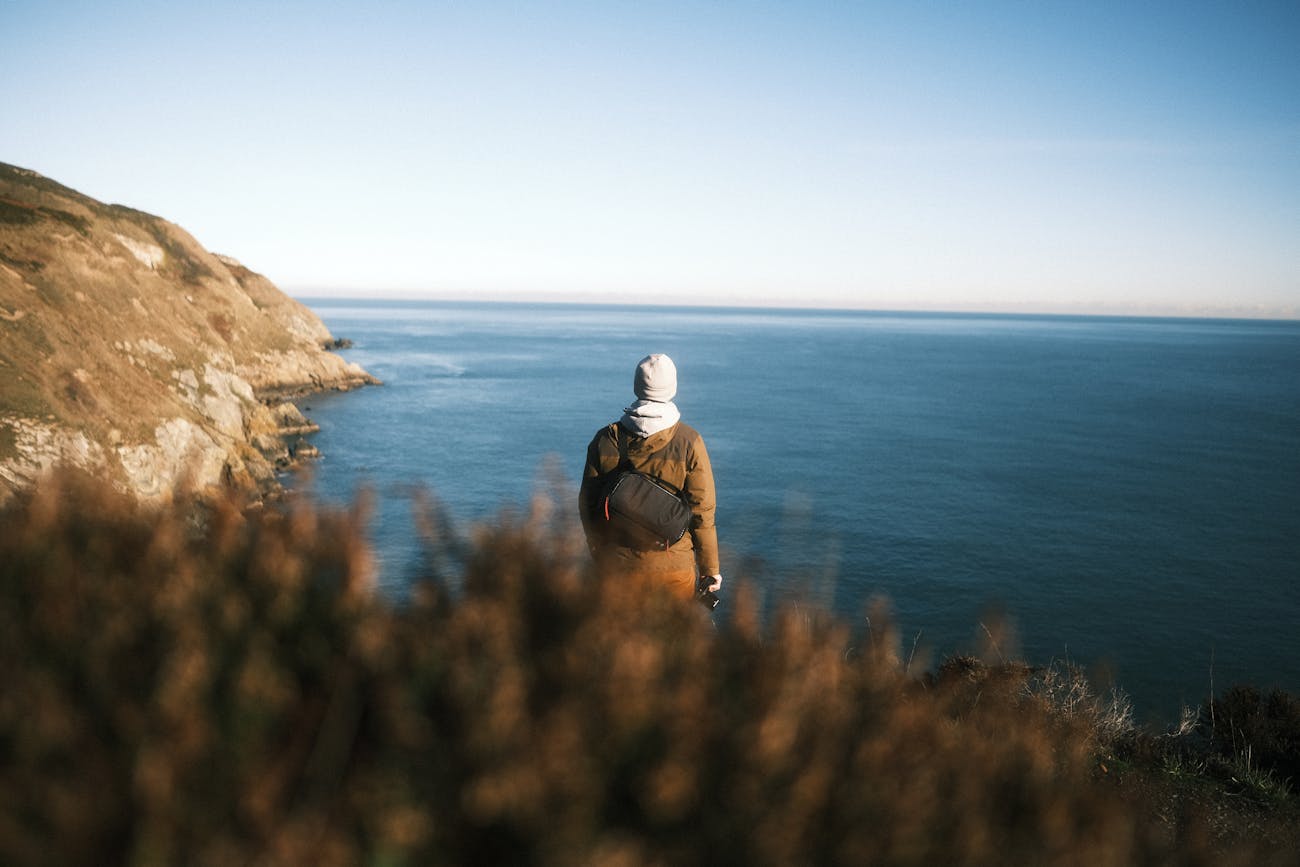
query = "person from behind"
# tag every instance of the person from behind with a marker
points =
(647, 499)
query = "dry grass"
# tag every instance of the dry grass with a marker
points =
(206, 687)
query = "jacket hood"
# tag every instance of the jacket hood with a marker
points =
(646, 417)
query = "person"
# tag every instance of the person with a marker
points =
(659, 444)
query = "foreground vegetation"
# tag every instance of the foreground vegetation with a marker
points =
(196, 685)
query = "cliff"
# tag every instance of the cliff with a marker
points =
(130, 350)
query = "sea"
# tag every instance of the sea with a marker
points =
(1120, 494)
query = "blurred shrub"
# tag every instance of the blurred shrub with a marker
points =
(199, 686)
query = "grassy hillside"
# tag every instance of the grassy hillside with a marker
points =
(196, 685)
(127, 347)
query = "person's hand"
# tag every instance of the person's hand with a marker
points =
(712, 583)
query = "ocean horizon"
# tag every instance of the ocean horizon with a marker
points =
(1121, 489)
(614, 301)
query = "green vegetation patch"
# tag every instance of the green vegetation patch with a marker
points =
(8, 441)
(1258, 730)
(79, 223)
(21, 214)
(16, 213)
(33, 180)
(32, 265)
(20, 397)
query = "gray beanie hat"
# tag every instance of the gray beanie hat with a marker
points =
(656, 379)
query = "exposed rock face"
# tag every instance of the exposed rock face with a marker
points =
(128, 349)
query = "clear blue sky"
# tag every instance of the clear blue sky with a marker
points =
(1030, 155)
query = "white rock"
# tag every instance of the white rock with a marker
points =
(41, 446)
(149, 255)
(183, 452)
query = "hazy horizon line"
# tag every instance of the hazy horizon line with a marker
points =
(630, 299)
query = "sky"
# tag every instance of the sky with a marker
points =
(1033, 156)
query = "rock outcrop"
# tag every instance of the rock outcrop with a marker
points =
(128, 349)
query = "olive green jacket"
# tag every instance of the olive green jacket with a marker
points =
(677, 456)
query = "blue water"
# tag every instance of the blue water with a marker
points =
(1124, 490)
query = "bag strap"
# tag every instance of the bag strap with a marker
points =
(625, 462)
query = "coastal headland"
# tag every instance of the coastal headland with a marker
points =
(129, 350)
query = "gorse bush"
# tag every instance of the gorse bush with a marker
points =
(167, 692)
(194, 685)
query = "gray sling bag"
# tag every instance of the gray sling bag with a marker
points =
(641, 511)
